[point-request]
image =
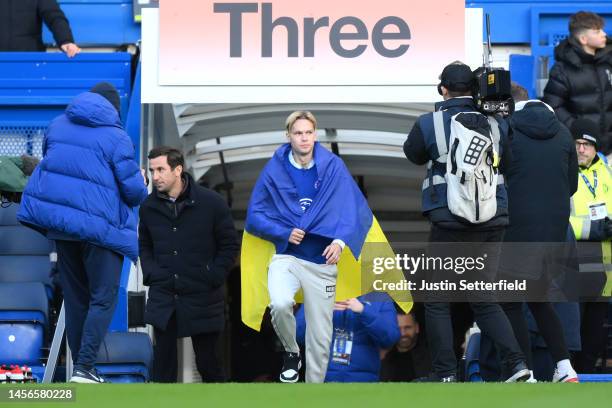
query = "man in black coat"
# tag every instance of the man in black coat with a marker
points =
(409, 358)
(542, 177)
(580, 84)
(21, 26)
(188, 245)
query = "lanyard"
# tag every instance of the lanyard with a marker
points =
(588, 183)
(347, 320)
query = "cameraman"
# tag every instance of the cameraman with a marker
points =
(456, 87)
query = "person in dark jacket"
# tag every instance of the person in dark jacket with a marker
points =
(188, 245)
(541, 180)
(409, 358)
(82, 195)
(421, 146)
(362, 327)
(21, 26)
(580, 83)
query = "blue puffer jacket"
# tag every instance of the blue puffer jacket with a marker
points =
(88, 181)
(373, 329)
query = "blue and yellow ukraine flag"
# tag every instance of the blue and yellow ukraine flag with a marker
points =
(339, 211)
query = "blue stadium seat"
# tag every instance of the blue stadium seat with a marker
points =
(125, 357)
(99, 22)
(24, 253)
(18, 240)
(34, 268)
(8, 215)
(15, 239)
(24, 296)
(35, 87)
(23, 322)
(472, 356)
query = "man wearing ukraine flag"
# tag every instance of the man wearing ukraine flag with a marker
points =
(305, 214)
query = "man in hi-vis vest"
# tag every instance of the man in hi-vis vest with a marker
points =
(590, 220)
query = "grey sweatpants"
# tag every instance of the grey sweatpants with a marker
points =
(286, 274)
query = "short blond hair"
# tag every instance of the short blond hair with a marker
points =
(297, 115)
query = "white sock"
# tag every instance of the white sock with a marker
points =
(564, 366)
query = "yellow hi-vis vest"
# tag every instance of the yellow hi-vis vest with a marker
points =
(580, 214)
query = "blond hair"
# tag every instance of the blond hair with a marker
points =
(297, 115)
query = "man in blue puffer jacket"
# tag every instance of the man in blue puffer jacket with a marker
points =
(362, 326)
(82, 195)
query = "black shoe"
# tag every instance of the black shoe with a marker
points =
(520, 373)
(433, 377)
(83, 376)
(291, 368)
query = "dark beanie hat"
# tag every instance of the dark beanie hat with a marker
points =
(109, 92)
(585, 129)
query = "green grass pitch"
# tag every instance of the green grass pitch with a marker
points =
(593, 395)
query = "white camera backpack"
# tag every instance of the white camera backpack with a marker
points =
(471, 167)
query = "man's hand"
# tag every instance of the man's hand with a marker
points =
(332, 254)
(353, 304)
(296, 237)
(340, 306)
(70, 49)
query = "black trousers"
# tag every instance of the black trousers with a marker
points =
(489, 316)
(549, 326)
(592, 334)
(547, 264)
(89, 276)
(165, 355)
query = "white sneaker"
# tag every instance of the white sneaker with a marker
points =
(531, 379)
(86, 377)
(569, 376)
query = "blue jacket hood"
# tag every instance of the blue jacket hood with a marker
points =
(88, 183)
(93, 110)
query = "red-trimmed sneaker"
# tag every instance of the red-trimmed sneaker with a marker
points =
(568, 376)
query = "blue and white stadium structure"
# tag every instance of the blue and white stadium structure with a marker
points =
(225, 145)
